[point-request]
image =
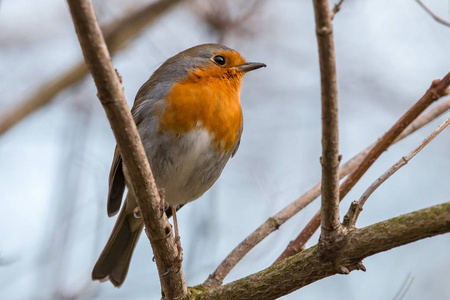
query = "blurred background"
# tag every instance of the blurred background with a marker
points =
(55, 163)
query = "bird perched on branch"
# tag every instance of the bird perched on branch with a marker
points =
(189, 118)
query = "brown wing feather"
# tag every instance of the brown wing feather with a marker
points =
(239, 141)
(116, 184)
(116, 176)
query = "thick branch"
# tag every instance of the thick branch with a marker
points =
(117, 36)
(110, 93)
(304, 268)
(330, 127)
(438, 89)
(273, 223)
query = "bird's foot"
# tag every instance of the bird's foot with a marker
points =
(179, 257)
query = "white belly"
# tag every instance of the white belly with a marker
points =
(186, 166)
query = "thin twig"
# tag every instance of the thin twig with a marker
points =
(405, 287)
(353, 215)
(336, 9)
(274, 222)
(330, 225)
(117, 35)
(432, 14)
(138, 173)
(306, 267)
(437, 89)
(426, 118)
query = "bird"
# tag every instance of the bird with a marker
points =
(189, 118)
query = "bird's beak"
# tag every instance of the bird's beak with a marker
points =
(250, 66)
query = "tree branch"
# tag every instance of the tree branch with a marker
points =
(336, 9)
(426, 118)
(110, 93)
(353, 214)
(331, 231)
(437, 89)
(117, 36)
(306, 267)
(432, 14)
(274, 222)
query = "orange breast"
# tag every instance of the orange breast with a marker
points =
(206, 99)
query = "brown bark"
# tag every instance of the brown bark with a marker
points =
(110, 93)
(306, 267)
(331, 231)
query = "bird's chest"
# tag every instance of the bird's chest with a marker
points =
(210, 105)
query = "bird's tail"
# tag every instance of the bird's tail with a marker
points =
(115, 259)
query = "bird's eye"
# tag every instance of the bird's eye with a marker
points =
(219, 59)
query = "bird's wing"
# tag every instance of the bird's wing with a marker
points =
(116, 175)
(153, 91)
(236, 148)
(239, 140)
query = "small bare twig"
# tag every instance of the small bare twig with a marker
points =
(137, 171)
(437, 89)
(331, 231)
(336, 9)
(353, 215)
(432, 14)
(274, 222)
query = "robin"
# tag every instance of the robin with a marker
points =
(189, 118)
